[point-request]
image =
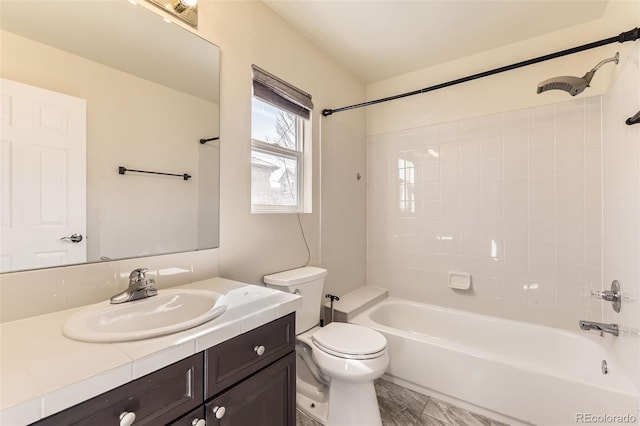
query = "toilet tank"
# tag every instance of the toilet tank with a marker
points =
(308, 283)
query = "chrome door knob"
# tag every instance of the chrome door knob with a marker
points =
(219, 412)
(127, 418)
(74, 238)
(259, 350)
(198, 422)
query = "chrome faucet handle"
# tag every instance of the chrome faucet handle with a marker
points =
(607, 295)
(614, 296)
(137, 275)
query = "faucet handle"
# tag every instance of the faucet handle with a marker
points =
(137, 274)
(614, 296)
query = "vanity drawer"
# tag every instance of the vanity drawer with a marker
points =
(235, 359)
(155, 399)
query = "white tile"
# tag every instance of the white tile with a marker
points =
(449, 172)
(516, 228)
(516, 167)
(570, 185)
(541, 186)
(87, 284)
(430, 174)
(470, 208)
(450, 190)
(60, 399)
(516, 269)
(450, 154)
(516, 188)
(491, 168)
(45, 293)
(541, 165)
(542, 230)
(541, 292)
(22, 414)
(449, 132)
(173, 269)
(491, 208)
(516, 207)
(490, 126)
(542, 208)
(570, 252)
(569, 275)
(543, 251)
(516, 249)
(541, 314)
(492, 188)
(515, 290)
(152, 354)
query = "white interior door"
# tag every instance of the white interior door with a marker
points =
(42, 177)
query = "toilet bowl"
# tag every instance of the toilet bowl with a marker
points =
(336, 364)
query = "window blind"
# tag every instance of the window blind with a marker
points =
(277, 92)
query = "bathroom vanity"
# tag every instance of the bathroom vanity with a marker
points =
(241, 369)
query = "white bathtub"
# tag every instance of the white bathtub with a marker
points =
(521, 372)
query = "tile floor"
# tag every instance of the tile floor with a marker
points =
(402, 407)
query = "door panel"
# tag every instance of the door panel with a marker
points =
(43, 176)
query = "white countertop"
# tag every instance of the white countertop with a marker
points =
(43, 372)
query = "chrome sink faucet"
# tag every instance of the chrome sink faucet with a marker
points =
(598, 326)
(140, 287)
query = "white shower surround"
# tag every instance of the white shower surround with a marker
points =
(512, 371)
(514, 199)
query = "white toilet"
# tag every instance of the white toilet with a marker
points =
(336, 364)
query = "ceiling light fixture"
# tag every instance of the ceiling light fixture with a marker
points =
(185, 10)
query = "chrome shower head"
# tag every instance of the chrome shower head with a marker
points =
(573, 85)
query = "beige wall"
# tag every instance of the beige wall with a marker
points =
(252, 245)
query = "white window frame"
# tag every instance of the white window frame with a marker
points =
(283, 96)
(299, 155)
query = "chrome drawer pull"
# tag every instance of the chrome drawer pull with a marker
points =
(219, 412)
(198, 422)
(127, 418)
(259, 350)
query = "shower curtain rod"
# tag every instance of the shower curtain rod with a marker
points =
(631, 35)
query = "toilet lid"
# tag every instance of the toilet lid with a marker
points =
(349, 340)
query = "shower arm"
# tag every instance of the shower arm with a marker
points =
(615, 59)
(631, 35)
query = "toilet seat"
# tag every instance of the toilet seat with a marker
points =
(349, 341)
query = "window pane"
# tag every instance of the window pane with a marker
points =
(273, 179)
(272, 125)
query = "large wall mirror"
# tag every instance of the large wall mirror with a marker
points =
(90, 88)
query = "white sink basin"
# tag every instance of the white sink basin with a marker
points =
(168, 312)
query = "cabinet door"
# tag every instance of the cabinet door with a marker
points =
(265, 399)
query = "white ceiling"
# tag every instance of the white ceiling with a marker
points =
(381, 39)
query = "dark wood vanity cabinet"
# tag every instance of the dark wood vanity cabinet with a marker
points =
(247, 380)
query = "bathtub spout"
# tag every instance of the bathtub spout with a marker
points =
(598, 326)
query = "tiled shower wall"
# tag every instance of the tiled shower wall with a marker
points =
(514, 199)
